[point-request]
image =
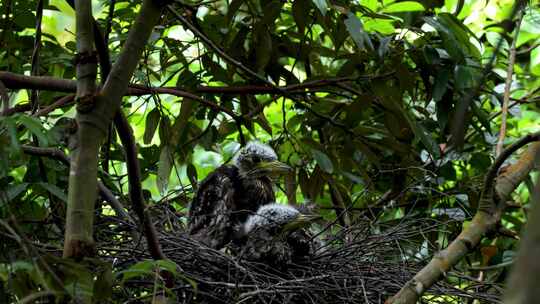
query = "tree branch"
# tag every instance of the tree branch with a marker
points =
(34, 94)
(524, 279)
(4, 99)
(105, 192)
(78, 240)
(46, 83)
(492, 205)
(94, 116)
(508, 85)
(117, 82)
(459, 126)
(130, 148)
(135, 190)
(16, 81)
(55, 105)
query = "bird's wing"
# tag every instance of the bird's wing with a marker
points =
(210, 210)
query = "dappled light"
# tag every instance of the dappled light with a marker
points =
(267, 151)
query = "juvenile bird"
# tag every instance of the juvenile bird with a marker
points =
(228, 195)
(277, 235)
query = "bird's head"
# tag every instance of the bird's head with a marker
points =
(281, 218)
(257, 159)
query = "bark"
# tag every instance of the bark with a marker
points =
(135, 189)
(525, 276)
(492, 205)
(17, 81)
(95, 113)
(82, 188)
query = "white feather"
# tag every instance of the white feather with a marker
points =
(271, 215)
(257, 148)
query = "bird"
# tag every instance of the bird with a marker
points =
(277, 235)
(226, 197)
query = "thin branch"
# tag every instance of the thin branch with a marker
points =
(523, 282)
(105, 192)
(138, 90)
(4, 98)
(85, 58)
(135, 189)
(493, 186)
(34, 94)
(17, 81)
(108, 24)
(216, 48)
(130, 148)
(117, 82)
(17, 109)
(458, 126)
(491, 207)
(508, 85)
(44, 83)
(55, 105)
(245, 69)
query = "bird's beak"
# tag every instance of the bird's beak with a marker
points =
(302, 221)
(273, 169)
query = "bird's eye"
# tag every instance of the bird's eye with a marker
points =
(256, 159)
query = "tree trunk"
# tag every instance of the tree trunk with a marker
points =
(94, 114)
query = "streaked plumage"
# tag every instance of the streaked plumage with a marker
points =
(229, 194)
(276, 236)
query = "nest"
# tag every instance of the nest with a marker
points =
(365, 263)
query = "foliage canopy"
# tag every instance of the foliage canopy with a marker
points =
(384, 109)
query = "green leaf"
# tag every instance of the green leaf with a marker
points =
(455, 36)
(431, 55)
(535, 61)
(188, 79)
(356, 30)
(482, 116)
(405, 6)
(354, 178)
(34, 125)
(152, 121)
(300, 12)
(263, 46)
(322, 5)
(441, 82)
(272, 11)
(146, 268)
(78, 280)
(165, 129)
(294, 121)
(493, 39)
(263, 122)
(465, 77)
(303, 180)
(143, 268)
(11, 127)
(323, 161)
(164, 168)
(233, 8)
(54, 190)
(191, 172)
(104, 285)
(385, 27)
(423, 135)
(180, 124)
(168, 265)
(13, 192)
